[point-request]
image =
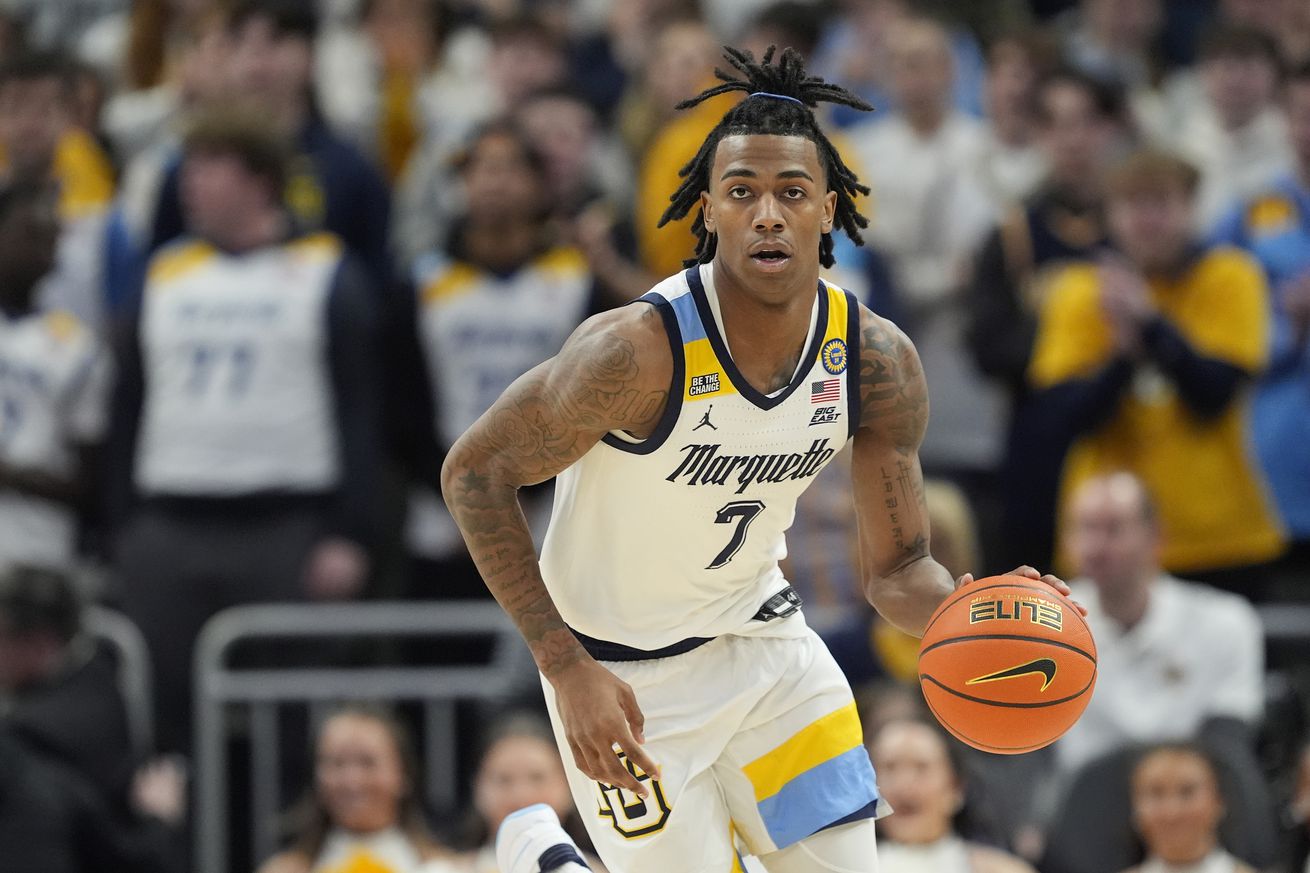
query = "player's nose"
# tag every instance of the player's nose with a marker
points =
(768, 214)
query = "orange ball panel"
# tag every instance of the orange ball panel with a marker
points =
(1007, 665)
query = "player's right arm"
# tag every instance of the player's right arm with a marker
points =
(612, 374)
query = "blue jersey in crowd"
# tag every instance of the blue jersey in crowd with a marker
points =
(1275, 227)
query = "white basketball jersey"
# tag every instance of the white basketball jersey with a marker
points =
(238, 395)
(680, 535)
(54, 378)
(482, 331)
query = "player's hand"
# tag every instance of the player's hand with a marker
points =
(1029, 573)
(336, 570)
(599, 711)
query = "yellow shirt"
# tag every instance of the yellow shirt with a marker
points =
(663, 249)
(1211, 496)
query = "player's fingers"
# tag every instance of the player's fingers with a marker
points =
(1058, 584)
(632, 711)
(580, 758)
(618, 774)
(638, 755)
(964, 580)
(1027, 572)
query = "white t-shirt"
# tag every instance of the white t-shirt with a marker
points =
(1197, 653)
(947, 855)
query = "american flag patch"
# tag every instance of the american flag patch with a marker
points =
(826, 391)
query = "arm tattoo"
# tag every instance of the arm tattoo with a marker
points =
(893, 394)
(538, 428)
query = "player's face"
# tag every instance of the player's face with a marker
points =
(1110, 540)
(1152, 227)
(770, 205)
(518, 772)
(1176, 806)
(1298, 118)
(360, 777)
(916, 777)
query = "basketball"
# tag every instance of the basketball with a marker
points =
(1007, 664)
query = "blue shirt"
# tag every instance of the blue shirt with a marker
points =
(1275, 227)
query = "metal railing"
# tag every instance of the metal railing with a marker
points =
(221, 688)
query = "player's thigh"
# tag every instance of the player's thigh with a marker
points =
(798, 765)
(848, 848)
(682, 825)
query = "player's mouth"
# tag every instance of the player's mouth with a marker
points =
(771, 260)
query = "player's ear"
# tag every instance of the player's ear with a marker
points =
(829, 210)
(707, 210)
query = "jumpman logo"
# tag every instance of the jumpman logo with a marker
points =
(705, 420)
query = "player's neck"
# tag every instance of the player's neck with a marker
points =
(766, 337)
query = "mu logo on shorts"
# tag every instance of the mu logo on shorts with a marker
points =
(633, 816)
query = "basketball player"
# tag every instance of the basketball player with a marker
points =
(697, 712)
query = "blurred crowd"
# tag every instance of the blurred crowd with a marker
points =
(262, 261)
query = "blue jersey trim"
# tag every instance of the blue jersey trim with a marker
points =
(673, 406)
(853, 397)
(744, 388)
(684, 307)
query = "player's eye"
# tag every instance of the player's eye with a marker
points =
(739, 192)
(794, 193)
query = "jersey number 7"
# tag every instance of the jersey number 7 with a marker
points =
(744, 512)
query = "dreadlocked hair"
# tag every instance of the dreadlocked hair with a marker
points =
(762, 113)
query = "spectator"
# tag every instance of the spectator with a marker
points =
(38, 141)
(1275, 226)
(785, 24)
(1237, 137)
(1012, 163)
(1148, 355)
(1079, 125)
(1287, 21)
(520, 766)
(52, 821)
(246, 411)
(683, 58)
(60, 691)
(930, 211)
(588, 180)
(332, 186)
(921, 774)
(1177, 807)
(365, 810)
(1114, 41)
(1172, 655)
(54, 378)
(403, 82)
(856, 49)
(500, 299)
(173, 58)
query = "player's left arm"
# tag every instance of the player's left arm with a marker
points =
(900, 577)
